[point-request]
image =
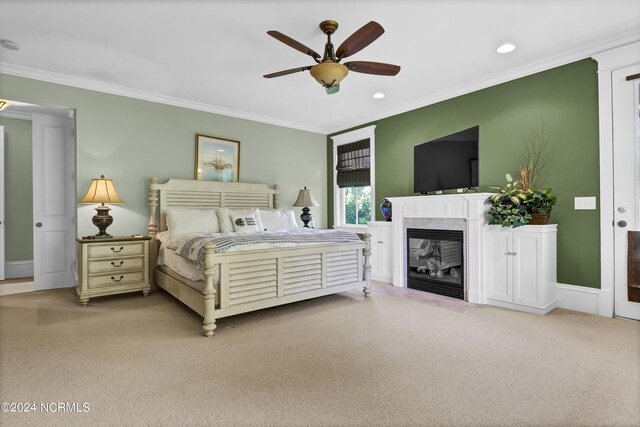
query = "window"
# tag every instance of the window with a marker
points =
(353, 169)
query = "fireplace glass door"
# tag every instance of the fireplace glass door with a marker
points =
(435, 261)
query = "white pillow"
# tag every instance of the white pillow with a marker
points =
(225, 216)
(245, 222)
(278, 219)
(183, 220)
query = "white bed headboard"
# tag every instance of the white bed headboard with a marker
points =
(186, 193)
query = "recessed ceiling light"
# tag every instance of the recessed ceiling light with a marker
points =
(378, 95)
(10, 44)
(506, 48)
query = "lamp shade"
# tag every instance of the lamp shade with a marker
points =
(101, 190)
(329, 73)
(305, 199)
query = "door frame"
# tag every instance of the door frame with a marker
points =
(608, 62)
(2, 195)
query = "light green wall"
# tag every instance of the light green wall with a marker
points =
(564, 98)
(18, 210)
(129, 140)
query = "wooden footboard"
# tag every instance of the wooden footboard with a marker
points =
(253, 280)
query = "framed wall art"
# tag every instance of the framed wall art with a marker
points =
(217, 159)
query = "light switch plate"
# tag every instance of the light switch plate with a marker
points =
(584, 203)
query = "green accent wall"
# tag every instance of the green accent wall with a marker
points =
(128, 140)
(565, 99)
(18, 207)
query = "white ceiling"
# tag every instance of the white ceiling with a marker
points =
(211, 55)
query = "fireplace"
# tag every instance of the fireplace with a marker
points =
(465, 212)
(435, 261)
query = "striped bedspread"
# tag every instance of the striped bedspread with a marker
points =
(193, 248)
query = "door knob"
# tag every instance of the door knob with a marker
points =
(38, 224)
(622, 223)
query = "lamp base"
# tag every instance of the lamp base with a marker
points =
(102, 220)
(306, 217)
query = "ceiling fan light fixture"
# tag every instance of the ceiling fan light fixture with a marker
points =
(333, 89)
(329, 73)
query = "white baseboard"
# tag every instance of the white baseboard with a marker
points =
(579, 298)
(18, 269)
(16, 288)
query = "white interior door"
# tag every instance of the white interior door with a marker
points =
(626, 176)
(54, 201)
(2, 257)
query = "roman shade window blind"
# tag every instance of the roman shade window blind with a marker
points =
(353, 164)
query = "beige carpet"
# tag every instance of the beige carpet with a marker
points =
(338, 360)
(454, 304)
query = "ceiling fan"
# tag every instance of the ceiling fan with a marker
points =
(328, 70)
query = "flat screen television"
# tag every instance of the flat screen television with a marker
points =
(447, 163)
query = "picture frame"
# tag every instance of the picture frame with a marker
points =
(217, 159)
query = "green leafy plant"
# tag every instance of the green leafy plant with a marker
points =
(540, 201)
(507, 205)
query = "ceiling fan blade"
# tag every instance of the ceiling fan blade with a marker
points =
(294, 44)
(360, 39)
(377, 68)
(285, 72)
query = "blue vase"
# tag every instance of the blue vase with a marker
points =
(385, 208)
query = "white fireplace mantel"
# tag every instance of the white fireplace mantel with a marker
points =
(437, 212)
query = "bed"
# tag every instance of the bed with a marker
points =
(234, 282)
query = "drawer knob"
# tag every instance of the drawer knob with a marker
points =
(119, 250)
(117, 280)
(119, 265)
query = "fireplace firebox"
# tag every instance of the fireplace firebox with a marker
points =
(435, 261)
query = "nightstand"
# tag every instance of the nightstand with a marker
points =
(112, 266)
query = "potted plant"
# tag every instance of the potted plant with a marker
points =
(520, 202)
(539, 203)
(507, 206)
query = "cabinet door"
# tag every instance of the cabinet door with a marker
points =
(527, 277)
(386, 253)
(381, 252)
(499, 265)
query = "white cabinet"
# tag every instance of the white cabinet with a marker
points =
(521, 267)
(381, 250)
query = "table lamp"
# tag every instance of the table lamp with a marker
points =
(102, 191)
(305, 199)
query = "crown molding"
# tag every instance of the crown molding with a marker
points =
(555, 61)
(15, 114)
(536, 67)
(82, 83)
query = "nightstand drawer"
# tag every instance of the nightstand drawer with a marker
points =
(114, 266)
(115, 249)
(116, 279)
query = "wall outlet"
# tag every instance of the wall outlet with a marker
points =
(584, 203)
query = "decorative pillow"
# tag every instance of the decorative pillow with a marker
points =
(245, 223)
(225, 216)
(278, 219)
(182, 220)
